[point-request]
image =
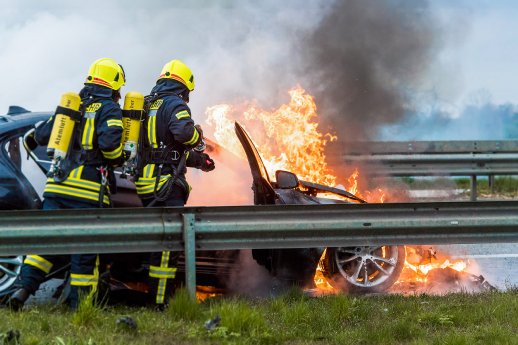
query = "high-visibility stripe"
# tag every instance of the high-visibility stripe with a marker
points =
(77, 172)
(114, 122)
(38, 262)
(76, 182)
(113, 154)
(149, 170)
(91, 133)
(88, 131)
(182, 114)
(151, 129)
(149, 123)
(61, 188)
(82, 279)
(82, 194)
(147, 189)
(153, 132)
(162, 272)
(194, 139)
(144, 181)
(145, 186)
(162, 283)
(87, 279)
(84, 182)
(160, 294)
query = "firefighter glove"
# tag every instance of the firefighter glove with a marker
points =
(207, 164)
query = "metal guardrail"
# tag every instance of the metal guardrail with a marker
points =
(240, 227)
(443, 147)
(431, 158)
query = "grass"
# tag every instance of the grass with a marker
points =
(505, 185)
(487, 318)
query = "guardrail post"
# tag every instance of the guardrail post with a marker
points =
(473, 187)
(190, 253)
(491, 183)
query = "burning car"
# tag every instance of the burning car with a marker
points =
(350, 269)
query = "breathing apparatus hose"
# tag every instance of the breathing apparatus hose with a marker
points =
(103, 170)
(161, 194)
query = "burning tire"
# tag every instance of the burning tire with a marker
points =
(363, 269)
(9, 270)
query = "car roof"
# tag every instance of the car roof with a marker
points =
(10, 122)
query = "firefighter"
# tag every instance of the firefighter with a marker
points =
(170, 143)
(84, 175)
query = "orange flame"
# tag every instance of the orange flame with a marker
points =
(420, 262)
(424, 269)
(288, 138)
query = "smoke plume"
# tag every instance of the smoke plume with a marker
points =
(364, 59)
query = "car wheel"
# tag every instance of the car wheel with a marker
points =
(363, 269)
(10, 267)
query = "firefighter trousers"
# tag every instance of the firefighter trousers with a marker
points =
(84, 270)
(162, 268)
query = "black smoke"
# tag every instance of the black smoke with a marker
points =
(364, 60)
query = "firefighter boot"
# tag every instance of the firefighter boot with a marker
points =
(17, 299)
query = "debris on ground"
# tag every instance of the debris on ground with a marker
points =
(445, 280)
(126, 323)
(11, 337)
(212, 323)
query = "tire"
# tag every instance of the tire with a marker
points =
(10, 267)
(363, 270)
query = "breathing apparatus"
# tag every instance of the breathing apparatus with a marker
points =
(62, 134)
(132, 114)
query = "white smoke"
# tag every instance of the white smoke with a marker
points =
(236, 49)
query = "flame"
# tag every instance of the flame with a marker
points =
(288, 138)
(353, 182)
(206, 292)
(421, 261)
(424, 269)
(321, 282)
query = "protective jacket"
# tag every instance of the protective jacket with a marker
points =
(97, 142)
(168, 132)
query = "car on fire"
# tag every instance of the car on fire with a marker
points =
(351, 269)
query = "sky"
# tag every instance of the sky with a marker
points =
(250, 50)
(483, 52)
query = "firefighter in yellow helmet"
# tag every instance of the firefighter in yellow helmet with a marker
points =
(171, 143)
(84, 176)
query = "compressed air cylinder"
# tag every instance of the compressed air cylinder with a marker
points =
(131, 115)
(63, 129)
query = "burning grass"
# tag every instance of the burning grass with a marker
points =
(486, 318)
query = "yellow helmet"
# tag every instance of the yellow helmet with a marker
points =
(177, 70)
(106, 72)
